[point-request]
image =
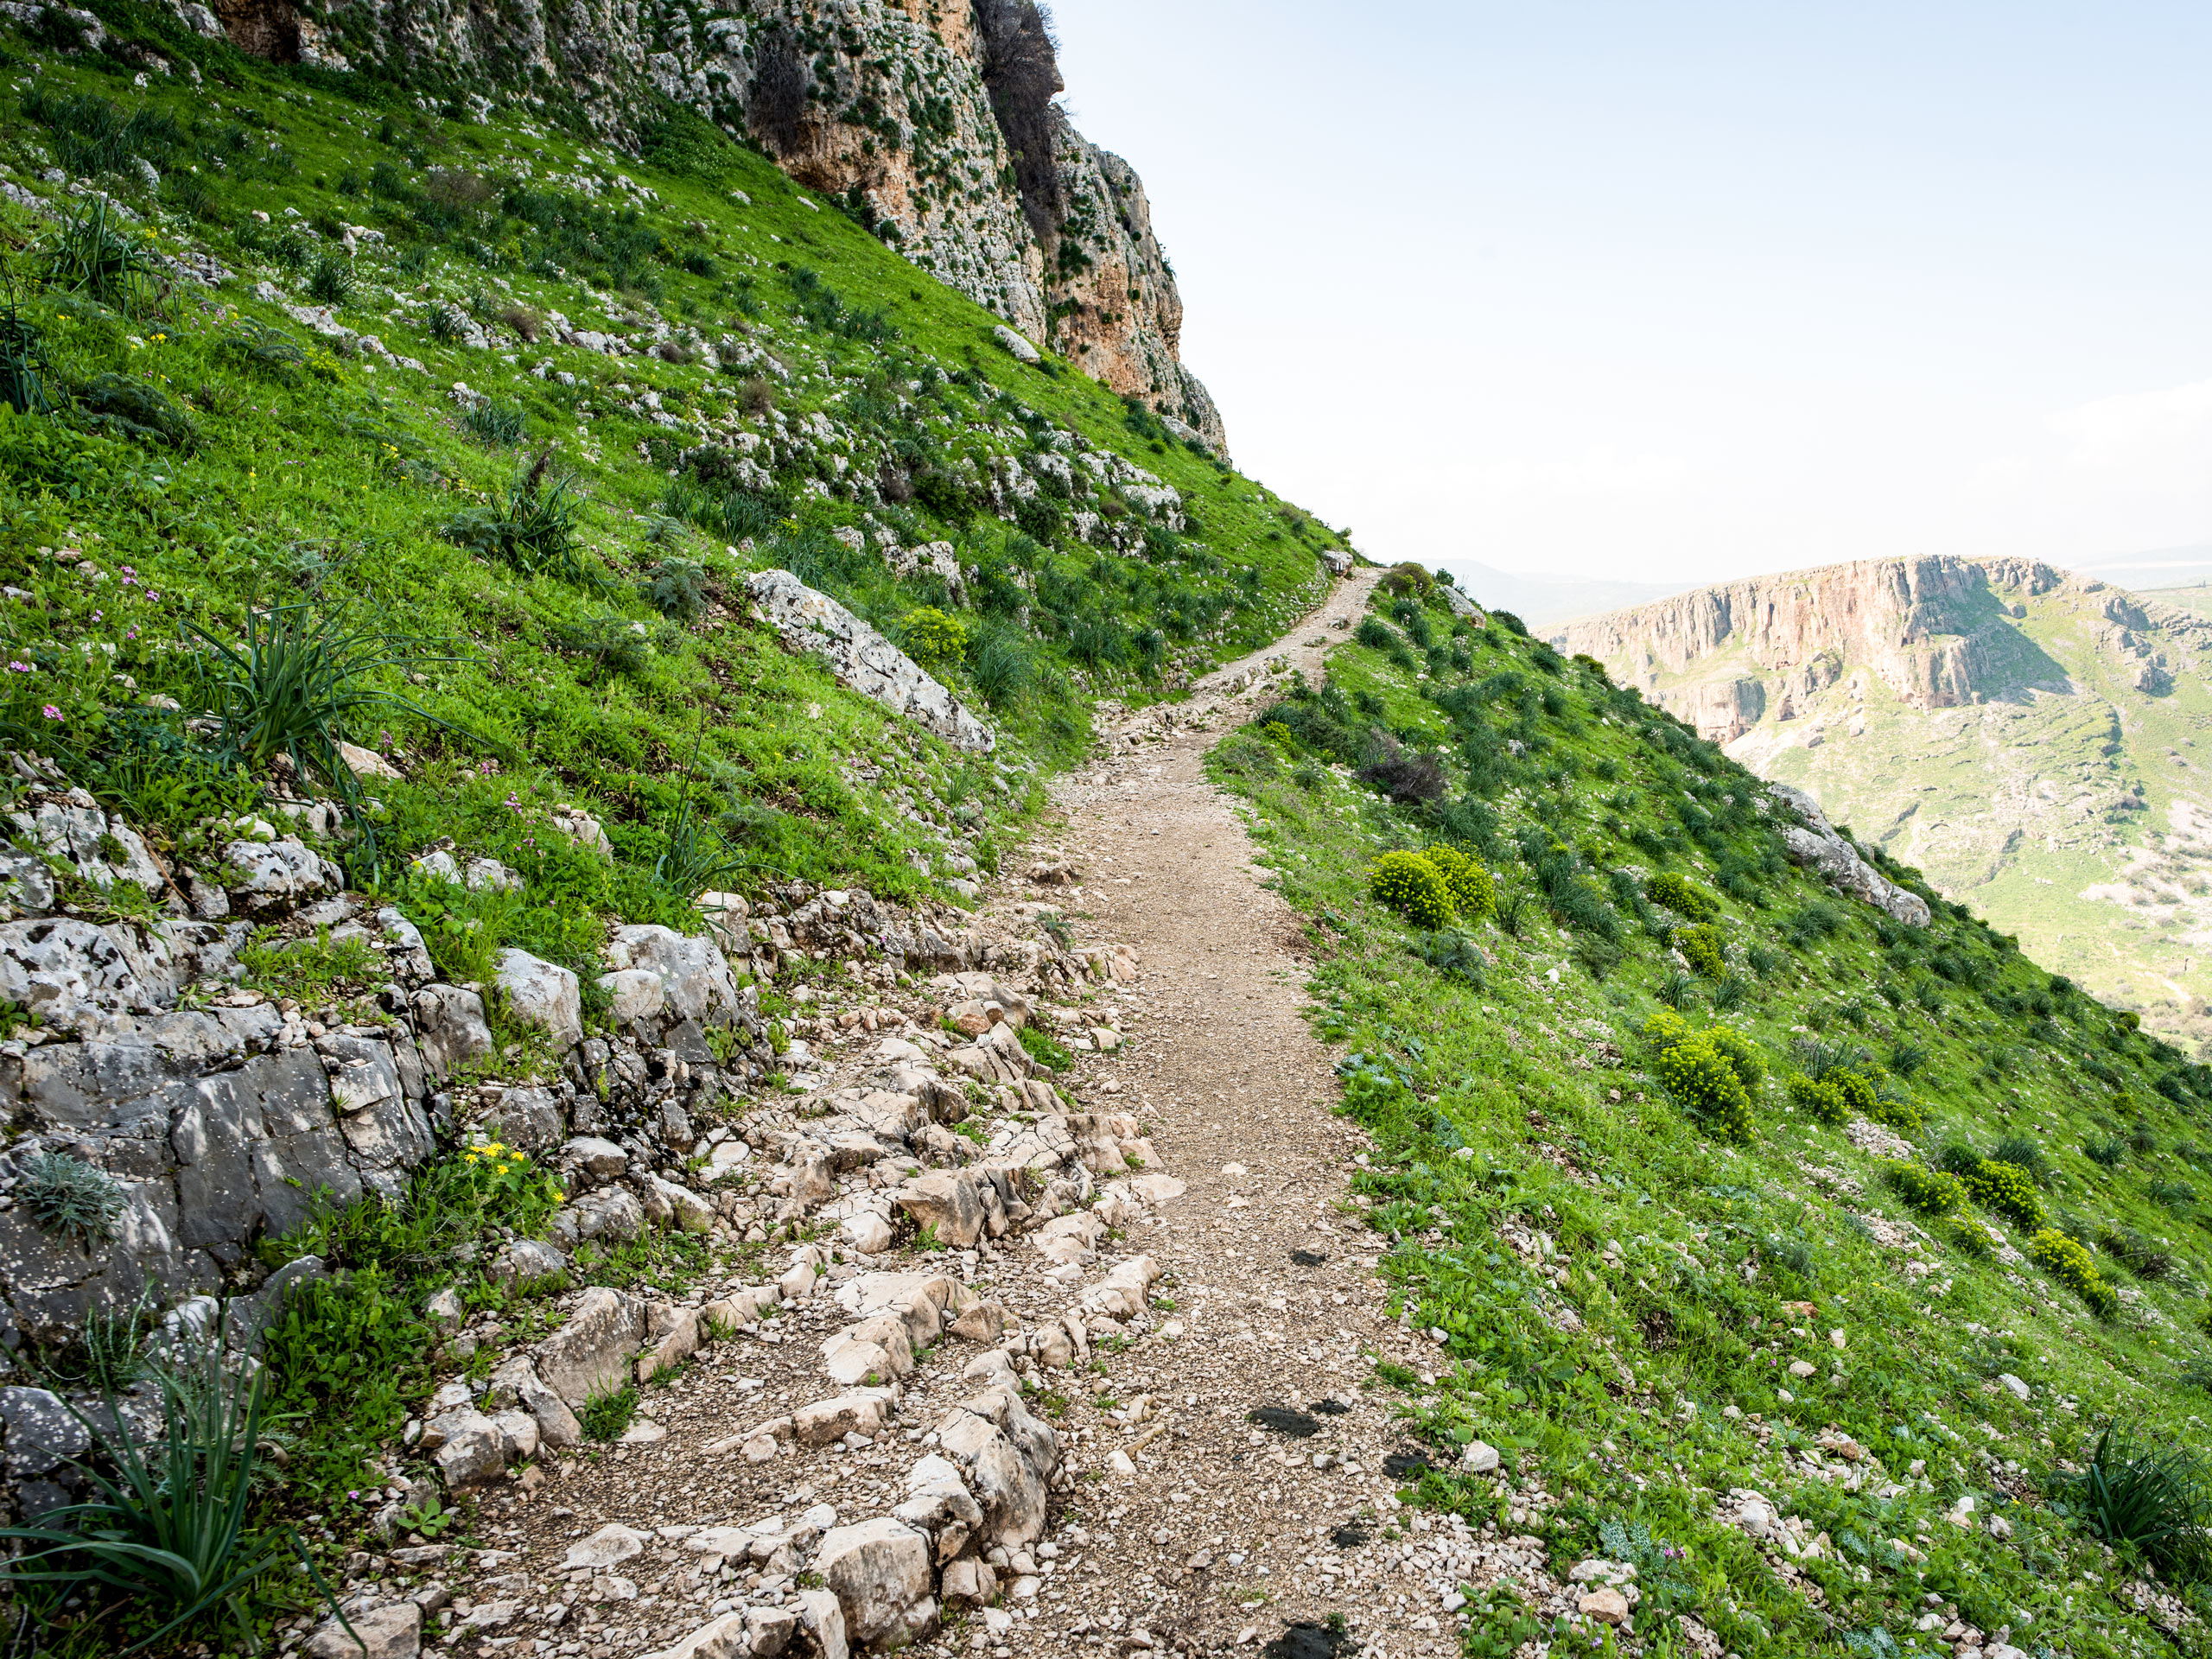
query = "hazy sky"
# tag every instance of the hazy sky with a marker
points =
(1670, 291)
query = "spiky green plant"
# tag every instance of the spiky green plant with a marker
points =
(71, 1199)
(296, 682)
(165, 1537)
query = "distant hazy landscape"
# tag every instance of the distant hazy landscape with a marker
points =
(2036, 740)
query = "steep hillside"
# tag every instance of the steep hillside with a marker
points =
(2024, 736)
(1745, 1352)
(929, 121)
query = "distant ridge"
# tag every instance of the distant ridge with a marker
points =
(2028, 736)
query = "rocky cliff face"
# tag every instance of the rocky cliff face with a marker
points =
(2026, 737)
(1934, 631)
(931, 120)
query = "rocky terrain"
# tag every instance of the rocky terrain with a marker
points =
(2021, 734)
(912, 114)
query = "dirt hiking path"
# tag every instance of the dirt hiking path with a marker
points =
(1222, 1482)
(1222, 1532)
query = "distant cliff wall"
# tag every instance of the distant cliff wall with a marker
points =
(1936, 631)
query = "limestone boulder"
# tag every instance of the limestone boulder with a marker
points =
(591, 1353)
(880, 1571)
(266, 876)
(811, 622)
(543, 995)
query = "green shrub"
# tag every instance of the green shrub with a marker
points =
(1474, 896)
(1898, 1109)
(1680, 896)
(2009, 1190)
(1820, 1098)
(2073, 1267)
(1931, 1191)
(1742, 1054)
(932, 638)
(1413, 886)
(1858, 1093)
(1701, 948)
(1666, 1028)
(1702, 1081)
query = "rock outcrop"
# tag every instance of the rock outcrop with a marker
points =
(930, 121)
(1813, 842)
(863, 659)
(1934, 631)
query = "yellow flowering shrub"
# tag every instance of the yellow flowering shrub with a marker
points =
(1819, 1097)
(1413, 886)
(2073, 1267)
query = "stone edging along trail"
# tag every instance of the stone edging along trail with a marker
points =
(1117, 1409)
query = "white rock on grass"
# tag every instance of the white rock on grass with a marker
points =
(808, 621)
(278, 874)
(542, 994)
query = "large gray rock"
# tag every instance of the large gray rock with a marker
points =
(389, 1632)
(542, 994)
(528, 1119)
(450, 1029)
(253, 1148)
(43, 1433)
(386, 1133)
(1813, 842)
(939, 1504)
(880, 1572)
(471, 1448)
(218, 1135)
(591, 1353)
(612, 1214)
(602, 1160)
(1007, 1458)
(68, 972)
(102, 850)
(863, 659)
(526, 1261)
(270, 875)
(662, 982)
(947, 1201)
(405, 953)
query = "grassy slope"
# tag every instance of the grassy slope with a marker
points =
(1495, 1111)
(328, 480)
(336, 478)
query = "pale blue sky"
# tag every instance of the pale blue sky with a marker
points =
(1675, 291)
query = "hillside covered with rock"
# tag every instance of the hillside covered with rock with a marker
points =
(2024, 734)
(931, 122)
(702, 956)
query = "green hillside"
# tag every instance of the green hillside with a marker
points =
(1620, 1198)
(541, 547)
(304, 440)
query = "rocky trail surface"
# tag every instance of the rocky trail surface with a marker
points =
(1113, 1403)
